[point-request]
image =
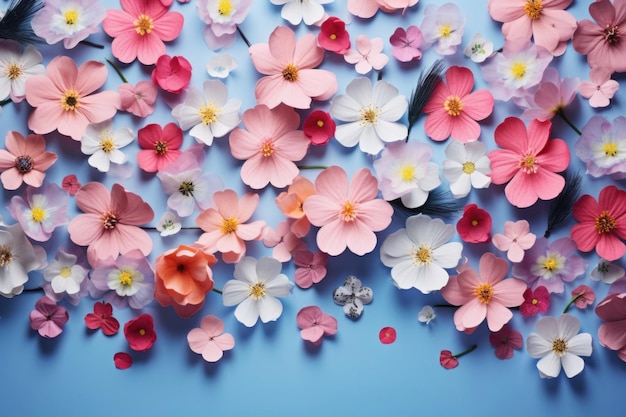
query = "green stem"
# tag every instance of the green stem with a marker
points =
(572, 301)
(563, 117)
(3, 102)
(312, 167)
(465, 352)
(217, 291)
(92, 44)
(117, 69)
(243, 37)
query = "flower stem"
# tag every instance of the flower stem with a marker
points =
(465, 352)
(217, 291)
(563, 117)
(3, 102)
(92, 44)
(312, 167)
(572, 301)
(445, 305)
(117, 69)
(36, 289)
(243, 37)
(380, 76)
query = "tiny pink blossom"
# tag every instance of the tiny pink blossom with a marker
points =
(310, 267)
(584, 296)
(406, 43)
(515, 240)
(368, 55)
(48, 318)
(283, 240)
(315, 324)
(550, 98)
(601, 89)
(210, 340)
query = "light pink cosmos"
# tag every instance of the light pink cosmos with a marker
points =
(485, 294)
(601, 89)
(139, 99)
(315, 324)
(368, 55)
(529, 162)
(63, 97)
(269, 144)
(550, 98)
(109, 225)
(24, 160)
(515, 240)
(406, 43)
(289, 69)
(48, 318)
(545, 20)
(225, 226)
(140, 29)
(348, 214)
(210, 340)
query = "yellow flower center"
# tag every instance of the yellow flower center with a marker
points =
(225, 7)
(38, 214)
(70, 101)
(610, 149)
(484, 292)
(143, 25)
(65, 272)
(348, 212)
(13, 71)
(160, 148)
(267, 148)
(528, 164)
(445, 31)
(186, 188)
(229, 225)
(142, 332)
(126, 278)
(290, 73)
(559, 347)
(550, 264)
(407, 173)
(320, 123)
(533, 8)
(605, 223)
(109, 220)
(71, 17)
(107, 145)
(469, 167)
(518, 70)
(257, 290)
(369, 116)
(453, 105)
(208, 113)
(6, 256)
(535, 301)
(422, 255)
(474, 222)
(333, 36)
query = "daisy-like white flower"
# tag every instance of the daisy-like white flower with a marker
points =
(16, 67)
(607, 272)
(478, 49)
(371, 113)
(405, 172)
(103, 144)
(442, 28)
(295, 11)
(420, 253)
(209, 114)
(352, 295)
(18, 257)
(220, 65)
(64, 274)
(255, 289)
(168, 224)
(466, 166)
(559, 344)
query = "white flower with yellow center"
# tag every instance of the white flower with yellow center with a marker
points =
(466, 166)
(442, 28)
(64, 274)
(104, 144)
(549, 265)
(125, 281)
(16, 67)
(18, 257)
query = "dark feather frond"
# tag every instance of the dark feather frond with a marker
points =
(561, 206)
(439, 203)
(15, 24)
(426, 84)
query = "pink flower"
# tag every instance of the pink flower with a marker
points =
(475, 225)
(363, 8)
(603, 41)
(601, 224)
(289, 66)
(537, 301)
(63, 98)
(70, 184)
(387, 335)
(160, 146)
(210, 340)
(348, 213)
(172, 74)
(453, 110)
(550, 98)
(310, 267)
(368, 55)
(102, 318)
(48, 318)
(601, 89)
(447, 360)
(122, 360)
(283, 240)
(137, 100)
(515, 240)
(583, 296)
(290, 204)
(139, 333)
(315, 324)
(487, 295)
(140, 29)
(406, 43)
(529, 161)
(506, 340)
(333, 36)
(546, 20)
(109, 225)
(319, 127)
(269, 146)
(612, 333)
(24, 160)
(225, 226)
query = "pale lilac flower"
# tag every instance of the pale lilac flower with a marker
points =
(602, 146)
(296, 11)
(16, 67)
(368, 55)
(478, 49)
(18, 257)
(220, 65)
(467, 165)
(600, 90)
(607, 272)
(551, 97)
(103, 144)
(221, 19)
(443, 27)
(64, 274)
(168, 224)
(406, 43)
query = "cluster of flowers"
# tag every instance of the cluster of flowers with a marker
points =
(344, 213)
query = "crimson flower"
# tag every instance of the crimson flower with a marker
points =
(537, 301)
(160, 146)
(172, 73)
(475, 225)
(333, 36)
(102, 318)
(122, 360)
(387, 335)
(449, 361)
(139, 333)
(319, 127)
(506, 340)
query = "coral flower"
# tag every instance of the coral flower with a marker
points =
(289, 67)
(290, 204)
(333, 36)
(140, 29)
(348, 213)
(183, 278)
(612, 311)
(24, 160)
(453, 110)
(63, 98)
(109, 225)
(484, 295)
(139, 333)
(160, 146)
(602, 223)
(529, 160)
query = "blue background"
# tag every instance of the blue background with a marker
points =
(271, 370)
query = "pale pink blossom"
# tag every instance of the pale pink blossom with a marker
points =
(368, 55)
(515, 240)
(210, 340)
(601, 89)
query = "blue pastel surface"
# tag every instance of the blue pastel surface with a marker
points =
(271, 370)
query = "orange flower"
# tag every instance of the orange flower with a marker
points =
(290, 203)
(183, 278)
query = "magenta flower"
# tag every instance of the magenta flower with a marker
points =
(601, 89)
(406, 43)
(209, 340)
(310, 267)
(333, 36)
(138, 99)
(319, 127)
(48, 318)
(368, 55)
(348, 213)
(506, 340)
(24, 160)
(515, 240)
(537, 301)
(315, 324)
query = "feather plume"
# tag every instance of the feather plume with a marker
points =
(16, 22)
(426, 85)
(561, 206)
(439, 203)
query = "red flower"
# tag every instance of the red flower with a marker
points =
(172, 73)
(583, 296)
(505, 341)
(102, 318)
(448, 360)
(160, 146)
(122, 360)
(140, 333)
(475, 225)
(333, 36)
(387, 335)
(535, 302)
(70, 184)
(319, 127)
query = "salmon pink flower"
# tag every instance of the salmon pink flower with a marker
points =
(24, 160)
(138, 99)
(348, 213)
(109, 225)
(333, 36)
(159, 146)
(210, 340)
(63, 98)
(612, 311)
(139, 333)
(290, 204)
(140, 29)
(102, 318)
(172, 74)
(315, 324)
(601, 224)
(537, 301)
(289, 69)
(319, 127)
(475, 225)
(529, 161)
(506, 340)
(363, 8)
(48, 318)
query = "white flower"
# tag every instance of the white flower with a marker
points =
(126, 280)
(426, 314)
(351, 295)
(443, 28)
(16, 67)
(478, 49)
(558, 344)
(209, 114)
(294, 11)
(64, 274)
(103, 144)
(168, 224)
(405, 171)
(467, 166)
(607, 272)
(371, 113)
(17, 258)
(419, 254)
(220, 65)
(254, 290)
